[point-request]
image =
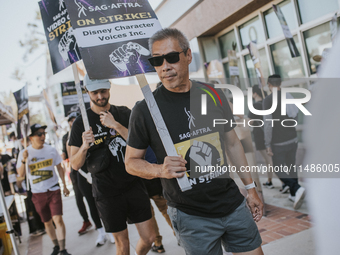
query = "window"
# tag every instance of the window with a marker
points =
(226, 43)
(252, 31)
(272, 22)
(312, 9)
(251, 70)
(241, 76)
(210, 50)
(284, 64)
(317, 39)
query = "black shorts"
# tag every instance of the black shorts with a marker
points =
(132, 205)
(259, 139)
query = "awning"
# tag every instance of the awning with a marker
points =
(6, 114)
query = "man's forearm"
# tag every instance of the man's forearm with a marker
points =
(21, 170)
(123, 131)
(61, 172)
(142, 168)
(78, 159)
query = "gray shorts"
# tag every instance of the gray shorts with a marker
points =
(237, 232)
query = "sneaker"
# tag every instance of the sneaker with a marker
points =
(285, 189)
(64, 252)
(86, 226)
(55, 250)
(299, 196)
(269, 185)
(101, 239)
(291, 198)
(38, 232)
(159, 249)
(112, 239)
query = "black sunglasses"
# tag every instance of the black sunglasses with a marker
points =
(40, 134)
(171, 58)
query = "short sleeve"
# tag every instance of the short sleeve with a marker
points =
(124, 115)
(57, 158)
(76, 133)
(138, 135)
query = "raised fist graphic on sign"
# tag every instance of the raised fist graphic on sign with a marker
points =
(68, 44)
(126, 58)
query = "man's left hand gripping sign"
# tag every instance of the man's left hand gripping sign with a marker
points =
(68, 47)
(127, 58)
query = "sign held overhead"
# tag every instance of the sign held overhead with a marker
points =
(59, 33)
(113, 36)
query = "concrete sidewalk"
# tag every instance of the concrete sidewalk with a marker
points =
(283, 230)
(85, 244)
(278, 234)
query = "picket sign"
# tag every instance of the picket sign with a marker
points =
(162, 130)
(80, 97)
(109, 34)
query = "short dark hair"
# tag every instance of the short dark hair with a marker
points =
(257, 90)
(168, 33)
(11, 134)
(275, 80)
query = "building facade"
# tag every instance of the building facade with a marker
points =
(215, 25)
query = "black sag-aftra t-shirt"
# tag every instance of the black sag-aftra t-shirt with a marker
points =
(196, 139)
(115, 180)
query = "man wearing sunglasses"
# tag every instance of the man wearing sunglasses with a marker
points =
(42, 159)
(213, 213)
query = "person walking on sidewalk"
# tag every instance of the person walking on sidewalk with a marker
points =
(258, 132)
(41, 159)
(213, 213)
(282, 141)
(101, 151)
(83, 184)
(74, 178)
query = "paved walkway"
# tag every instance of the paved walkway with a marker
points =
(281, 230)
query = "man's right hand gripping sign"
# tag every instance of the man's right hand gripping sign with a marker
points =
(127, 58)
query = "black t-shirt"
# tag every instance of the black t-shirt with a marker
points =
(64, 140)
(5, 158)
(210, 196)
(115, 180)
(15, 152)
(280, 133)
